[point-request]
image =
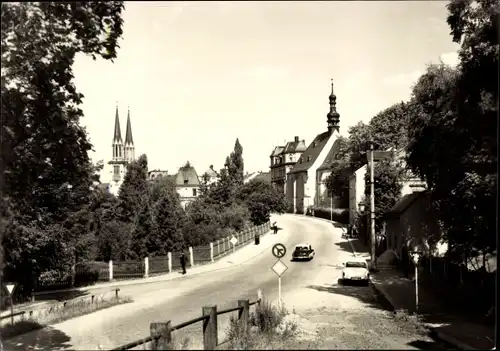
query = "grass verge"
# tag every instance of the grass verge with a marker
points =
(269, 328)
(59, 313)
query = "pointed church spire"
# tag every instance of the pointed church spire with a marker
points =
(128, 133)
(117, 138)
(333, 117)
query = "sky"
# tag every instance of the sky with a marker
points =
(198, 75)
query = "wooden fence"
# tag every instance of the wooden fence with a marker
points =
(161, 333)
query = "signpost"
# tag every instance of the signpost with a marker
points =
(234, 241)
(416, 259)
(279, 251)
(10, 287)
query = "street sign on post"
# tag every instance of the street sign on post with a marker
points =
(279, 250)
(10, 287)
(279, 268)
(234, 241)
(416, 255)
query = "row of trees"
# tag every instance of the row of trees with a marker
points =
(448, 130)
(53, 214)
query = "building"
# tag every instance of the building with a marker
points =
(122, 154)
(409, 184)
(157, 173)
(187, 184)
(305, 181)
(210, 176)
(283, 158)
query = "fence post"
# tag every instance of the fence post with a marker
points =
(169, 257)
(110, 269)
(244, 313)
(210, 328)
(191, 258)
(163, 333)
(212, 252)
(146, 267)
(218, 247)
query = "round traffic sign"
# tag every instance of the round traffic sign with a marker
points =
(279, 250)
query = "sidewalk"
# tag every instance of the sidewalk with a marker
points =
(241, 255)
(444, 324)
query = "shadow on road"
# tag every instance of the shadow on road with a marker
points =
(339, 225)
(427, 345)
(59, 296)
(345, 246)
(363, 293)
(45, 339)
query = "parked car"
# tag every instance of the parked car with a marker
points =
(303, 252)
(355, 270)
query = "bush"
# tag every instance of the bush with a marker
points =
(86, 275)
(340, 215)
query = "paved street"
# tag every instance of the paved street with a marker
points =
(343, 316)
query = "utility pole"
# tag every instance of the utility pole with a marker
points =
(372, 208)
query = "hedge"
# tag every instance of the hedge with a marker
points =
(340, 215)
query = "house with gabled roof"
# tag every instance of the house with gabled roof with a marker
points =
(210, 176)
(303, 184)
(283, 158)
(187, 184)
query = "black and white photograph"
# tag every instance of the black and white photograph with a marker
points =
(249, 175)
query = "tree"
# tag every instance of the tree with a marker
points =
(338, 180)
(134, 189)
(387, 188)
(47, 171)
(235, 164)
(261, 199)
(169, 218)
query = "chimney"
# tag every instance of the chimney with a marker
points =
(296, 139)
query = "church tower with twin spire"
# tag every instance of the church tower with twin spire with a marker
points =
(122, 154)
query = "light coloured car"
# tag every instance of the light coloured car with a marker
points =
(303, 252)
(355, 270)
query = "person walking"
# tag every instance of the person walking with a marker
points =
(275, 228)
(183, 263)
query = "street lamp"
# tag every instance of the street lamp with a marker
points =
(371, 157)
(361, 207)
(416, 255)
(331, 206)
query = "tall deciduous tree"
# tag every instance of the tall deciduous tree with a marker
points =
(46, 170)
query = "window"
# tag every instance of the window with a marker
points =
(194, 192)
(186, 181)
(116, 170)
(308, 158)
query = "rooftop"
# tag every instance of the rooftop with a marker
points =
(311, 153)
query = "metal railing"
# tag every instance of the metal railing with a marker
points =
(161, 333)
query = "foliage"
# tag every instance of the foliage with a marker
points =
(47, 172)
(235, 164)
(338, 215)
(338, 180)
(168, 217)
(261, 199)
(134, 189)
(453, 130)
(387, 188)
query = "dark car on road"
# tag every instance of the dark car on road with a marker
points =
(303, 252)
